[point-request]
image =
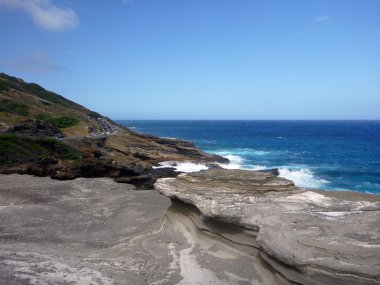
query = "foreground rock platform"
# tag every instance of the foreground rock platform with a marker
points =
(96, 231)
(82, 231)
(307, 237)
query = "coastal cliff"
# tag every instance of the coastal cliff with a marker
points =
(305, 236)
(222, 227)
(44, 134)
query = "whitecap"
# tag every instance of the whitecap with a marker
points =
(236, 162)
(260, 152)
(183, 166)
(243, 152)
(255, 167)
(303, 177)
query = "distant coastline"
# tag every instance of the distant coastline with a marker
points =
(317, 154)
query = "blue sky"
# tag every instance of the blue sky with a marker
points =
(200, 59)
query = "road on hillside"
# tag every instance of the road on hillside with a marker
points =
(107, 129)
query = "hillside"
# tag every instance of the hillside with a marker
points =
(20, 101)
(45, 134)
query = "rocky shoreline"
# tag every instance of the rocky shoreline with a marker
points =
(218, 227)
(32, 147)
(88, 225)
(44, 134)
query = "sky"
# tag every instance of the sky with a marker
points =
(200, 59)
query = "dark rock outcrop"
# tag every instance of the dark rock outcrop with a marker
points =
(273, 171)
(35, 128)
(305, 236)
(126, 156)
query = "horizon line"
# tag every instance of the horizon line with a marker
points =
(370, 120)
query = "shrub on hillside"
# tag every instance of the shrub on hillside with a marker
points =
(20, 149)
(3, 86)
(14, 107)
(58, 122)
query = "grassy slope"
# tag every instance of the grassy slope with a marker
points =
(20, 101)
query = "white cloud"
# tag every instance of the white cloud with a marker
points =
(37, 61)
(322, 18)
(44, 13)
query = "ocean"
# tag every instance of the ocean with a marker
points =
(330, 155)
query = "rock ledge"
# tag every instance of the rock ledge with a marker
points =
(307, 237)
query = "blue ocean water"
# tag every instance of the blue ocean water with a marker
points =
(331, 155)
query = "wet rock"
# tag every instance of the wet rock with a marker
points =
(273, 171)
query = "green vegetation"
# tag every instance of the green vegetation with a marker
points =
(58, 122)
(3, 86)
(20, 149)
(14, 107)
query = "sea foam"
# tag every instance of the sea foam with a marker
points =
(303, 177)
(247, 152)
(236, 162)
(184, 166)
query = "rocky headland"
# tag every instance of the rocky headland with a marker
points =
(45, 134)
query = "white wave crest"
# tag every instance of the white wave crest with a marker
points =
(255, 167)
(302, 177)
(184, 166)
(261, 152)
(244, 152)
(236, 162)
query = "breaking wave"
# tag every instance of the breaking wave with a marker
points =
(183, 166)
(302, 177)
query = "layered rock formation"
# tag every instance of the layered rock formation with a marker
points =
(305, 236)
(96, 231)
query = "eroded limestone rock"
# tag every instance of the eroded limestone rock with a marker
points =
(308, 237)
